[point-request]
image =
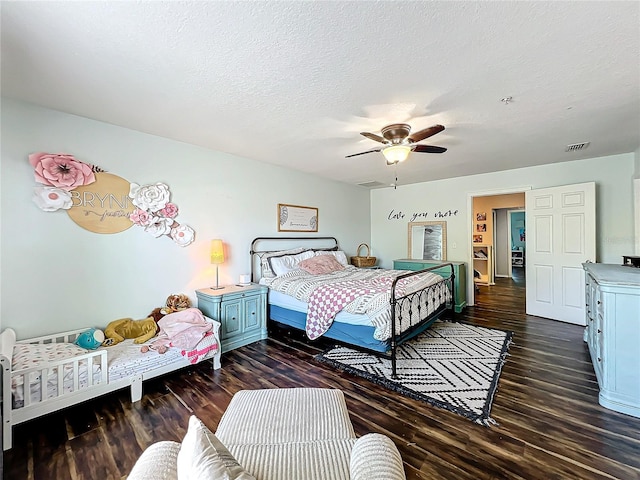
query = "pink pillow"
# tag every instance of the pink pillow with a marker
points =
(321, 264)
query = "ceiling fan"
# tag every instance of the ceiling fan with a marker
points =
(399, 142)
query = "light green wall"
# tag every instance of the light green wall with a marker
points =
(57, 276)
(612, 174)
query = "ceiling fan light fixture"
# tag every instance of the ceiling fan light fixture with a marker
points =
(396, 153)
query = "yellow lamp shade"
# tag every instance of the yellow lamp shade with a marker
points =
(217, 251)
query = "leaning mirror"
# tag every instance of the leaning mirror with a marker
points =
(428, 240)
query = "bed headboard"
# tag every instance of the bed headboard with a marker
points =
(261, 246)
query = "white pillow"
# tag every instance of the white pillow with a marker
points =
(339, 254)
(265, 268)
(202, 455)
(286, 263)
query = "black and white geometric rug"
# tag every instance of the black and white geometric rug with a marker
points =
(451, 365)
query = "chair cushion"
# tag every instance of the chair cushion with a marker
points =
(202, 455)
(314, 460)
(285, 415)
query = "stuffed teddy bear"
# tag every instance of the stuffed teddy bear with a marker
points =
(174, 303)
(140, 330)
(91, 339)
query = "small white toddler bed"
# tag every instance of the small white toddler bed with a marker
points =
(68, 374)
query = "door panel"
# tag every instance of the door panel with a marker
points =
(543, 201)
(573, 233)
(543, 234)
(561, 237)
(544, 283)
(573, 287)
(573, 199)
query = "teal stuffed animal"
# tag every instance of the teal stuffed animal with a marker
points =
(91, 339)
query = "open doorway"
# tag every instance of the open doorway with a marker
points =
(509, 240)
(497, 249)
(516, 233)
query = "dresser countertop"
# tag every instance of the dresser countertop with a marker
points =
(612, 274)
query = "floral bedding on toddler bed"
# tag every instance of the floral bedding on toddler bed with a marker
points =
(124, 360)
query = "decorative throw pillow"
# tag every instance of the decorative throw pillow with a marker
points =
(202, 455)
(321, 264)
(339, 254)
(285, 263)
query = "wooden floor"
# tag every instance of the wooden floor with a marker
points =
(550, 423)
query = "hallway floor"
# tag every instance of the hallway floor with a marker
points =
(508, 294)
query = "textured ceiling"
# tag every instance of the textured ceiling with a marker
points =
(293, 83)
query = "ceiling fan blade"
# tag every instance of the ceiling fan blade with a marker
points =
(373, 136)
(426, 133)
(362, 153)
(428, 149)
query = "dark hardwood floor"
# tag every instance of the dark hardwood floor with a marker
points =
(550, 425)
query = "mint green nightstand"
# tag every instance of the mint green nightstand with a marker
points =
(459, 270)
(242, 312)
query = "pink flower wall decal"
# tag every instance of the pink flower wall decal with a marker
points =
(170, 210)
(140, 217)
(61, 170)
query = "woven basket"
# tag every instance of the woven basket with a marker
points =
(361, 262)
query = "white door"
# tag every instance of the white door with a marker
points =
(561, 235)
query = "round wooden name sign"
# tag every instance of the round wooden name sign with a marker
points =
(103, 206)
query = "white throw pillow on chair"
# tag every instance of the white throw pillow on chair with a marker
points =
(203, 456)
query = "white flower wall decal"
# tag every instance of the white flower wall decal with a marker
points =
(183, 235)
(51, 199)
(150, 197)
(156, 214)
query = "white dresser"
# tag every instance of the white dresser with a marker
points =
(613, 333)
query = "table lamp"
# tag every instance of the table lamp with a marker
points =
(217, 257)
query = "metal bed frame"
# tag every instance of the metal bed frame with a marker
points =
(409, 311)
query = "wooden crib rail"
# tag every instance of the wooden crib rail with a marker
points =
(61, 367)
(64, 337)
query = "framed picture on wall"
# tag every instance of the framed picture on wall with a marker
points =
(481, 217)
(296, 218)
(481, 227)
(477, 239)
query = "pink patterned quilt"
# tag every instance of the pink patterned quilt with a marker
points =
(326, 301)
(355, 290)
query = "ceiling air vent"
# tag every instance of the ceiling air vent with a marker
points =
(371, 184)
(576, 146)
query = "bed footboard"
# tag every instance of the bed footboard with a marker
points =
(414, 311)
